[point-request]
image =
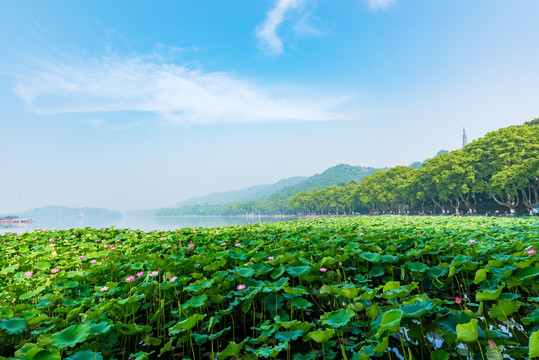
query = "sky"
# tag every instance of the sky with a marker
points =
(132, 104)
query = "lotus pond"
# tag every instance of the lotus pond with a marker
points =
(349, 288)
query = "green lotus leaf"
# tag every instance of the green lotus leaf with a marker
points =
(86, 355)
(296, 271)
(231, 350)
(137, 266)
(439, 355)
(369, 256)
(43, 265)
(339, 318)
(451, 321)
(245, 272)
(268, 351)
(288, 335)
(348, 292)
(39, 353)
(391, 285)
(417, 266)
(71, 336)
(301, 303)
(468, 332)
(141, 355)
(417, 309)
(102, 327)
(504, 308)
(494, 354)
(14, 326)
(526, 273)
(534, 344)
(309, 356)
(489, 294)
(372, 311)
(196, 301)
(480, 276)
(188, 323)
(436, 272)
(391, 321)
(321, 336)
(215, 265)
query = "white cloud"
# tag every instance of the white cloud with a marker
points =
(174, 92)
(267, 32)
(380, 4)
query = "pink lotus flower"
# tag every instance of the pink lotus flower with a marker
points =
(129, 279)
(241, 287)
(175, 246)
(223, 244)
(271, 257)
(105, 246)
(154, 273)
(492, 344)
(54, 271)
(531, 252)
(105, 288)
(51, 239)
(93, 261)
(471, 241)
(28, 273)
(81, 257)
(139, 274)
(102, 259)
(74, 246)
(111, 247)
(323, 270)
(191, 246)
(10, 247)
(451, 245)
(172, 279)
(458, 300)
(237, 245)
(103, 241)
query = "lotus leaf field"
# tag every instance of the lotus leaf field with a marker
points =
(348, 288)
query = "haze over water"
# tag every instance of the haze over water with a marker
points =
(144, 223)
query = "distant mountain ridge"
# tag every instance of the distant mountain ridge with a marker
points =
(339, 174)
(257, 192)
(67, 212)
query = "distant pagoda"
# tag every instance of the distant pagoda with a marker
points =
(464, 138)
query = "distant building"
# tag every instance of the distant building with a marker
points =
(464, 138)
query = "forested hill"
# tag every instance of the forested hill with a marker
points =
(336, 175)
(257, 192)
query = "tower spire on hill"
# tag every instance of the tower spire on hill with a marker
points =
(464, 138)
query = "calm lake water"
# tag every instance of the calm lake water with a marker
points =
(141, 223)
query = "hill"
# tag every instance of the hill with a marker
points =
(336, 175)
(64, 211)
(257, 192)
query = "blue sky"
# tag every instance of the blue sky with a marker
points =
(136, 104)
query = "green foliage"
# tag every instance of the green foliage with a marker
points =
(350, 287)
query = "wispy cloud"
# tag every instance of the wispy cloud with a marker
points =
(176, 93)
(380, 4)
(267, 32)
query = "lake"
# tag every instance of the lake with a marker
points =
(144, 223)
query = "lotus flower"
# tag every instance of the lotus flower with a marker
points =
(105, 288)
(323, 270)
(139, 274)
(531, 252)
(129, 279)
(458, 300)
(241, 287)
(54, 271)
(154, 273)
(28, 273)
(172, 279)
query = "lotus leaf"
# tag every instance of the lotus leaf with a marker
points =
(231, 350)
(86, 355)
(298, 270)
(390, 322)
(339, 318)
(14, 326)
(468, 332)
(534, 344)
(504, 308)
(489, 294)
(321, 336)
(71, 336)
